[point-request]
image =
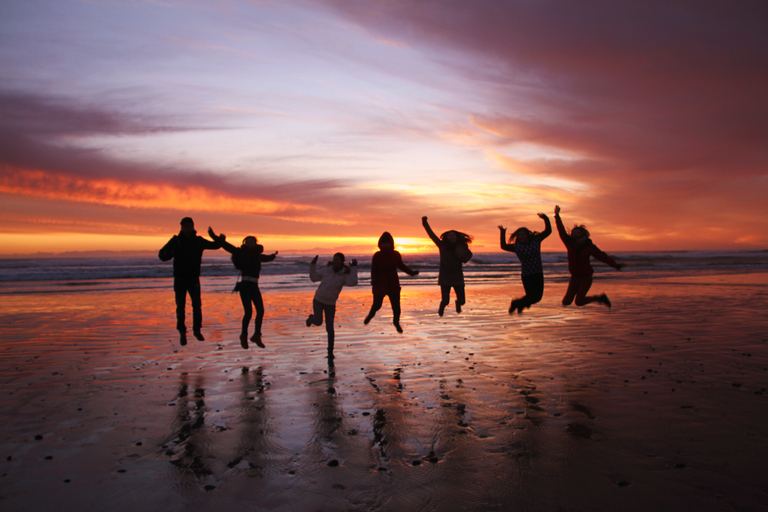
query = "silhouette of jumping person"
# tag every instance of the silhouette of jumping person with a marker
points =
(186, 249)
(333, 277)
(580, 249)
(384, 279)
(454, 251)
(248, 259)
(527, 245)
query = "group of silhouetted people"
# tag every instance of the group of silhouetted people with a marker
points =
(186, 250)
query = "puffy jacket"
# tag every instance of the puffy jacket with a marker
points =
(248, 259)
(331, 282)
(187, 253)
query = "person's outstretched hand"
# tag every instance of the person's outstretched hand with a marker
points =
(542, 215)
(557, 209)
(219, 238)
(424, 219)
(502, 228)
(415, 272)
(314, 260)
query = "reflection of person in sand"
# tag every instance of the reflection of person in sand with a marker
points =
(186, 249)
(527, 245)
(254, 422)
(580, 250)
(454, 251)
(247, 259)
(329, 441)
(384, 279)
(333, 277)
(187, 448)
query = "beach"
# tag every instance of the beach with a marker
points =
(658, 403)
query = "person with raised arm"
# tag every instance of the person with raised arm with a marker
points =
(186, 250)
(527, 245)
(333, 277)
(580, 249)
(384, 278)
(248, 259)
(454, 252)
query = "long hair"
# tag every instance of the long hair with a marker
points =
(386, 239)
(581, 227)
(516, 233)
(460, 237)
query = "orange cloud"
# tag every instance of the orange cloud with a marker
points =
(112, 192)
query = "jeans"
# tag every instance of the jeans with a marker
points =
(394, 300)
(181, 286)
(446, 295)
(250, 294)
(534, 289)
(316, 318)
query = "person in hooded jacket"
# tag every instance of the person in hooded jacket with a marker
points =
(580, 249)
(333, 277)
(454, 252)
(384, 278)
(186, 250)
(248, 259)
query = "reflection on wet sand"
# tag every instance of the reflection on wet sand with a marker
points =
(391, 422)
(188, 446)
(254, 424)
(328, 440)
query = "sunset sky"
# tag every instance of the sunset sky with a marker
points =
(318, 124)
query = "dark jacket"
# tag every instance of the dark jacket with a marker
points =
(452, 256)
(578, 259)
(187, 253)
(248, 259)
(384, 266)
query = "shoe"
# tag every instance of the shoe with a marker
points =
(256, 338)
(368, 319)
(183, 338)
(397, 326)
(198, 335)
(520, 307)
(309, 320)
(458, 307)
(441, 310)
(512, 306)
(603, 299)
(244, 340)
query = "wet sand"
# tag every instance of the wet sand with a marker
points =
(657, 404)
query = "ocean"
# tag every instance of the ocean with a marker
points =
(73, 274)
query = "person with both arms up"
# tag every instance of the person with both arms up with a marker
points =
(333, 277)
